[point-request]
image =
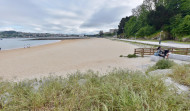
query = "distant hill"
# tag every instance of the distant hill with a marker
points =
(11, 34)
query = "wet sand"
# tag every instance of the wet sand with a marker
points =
(68, 56)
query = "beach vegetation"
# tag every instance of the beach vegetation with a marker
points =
(119, 90)
(132, 56)
(181, 74)
(161, 64)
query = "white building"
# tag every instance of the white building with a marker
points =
(113, 31)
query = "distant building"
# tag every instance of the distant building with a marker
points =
(107, 33)
(113, 31)
(81, 35)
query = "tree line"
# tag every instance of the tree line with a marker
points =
(153, 16)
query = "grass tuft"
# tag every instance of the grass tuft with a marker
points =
(161, 64)
(181, 74)
(164, 64)
(121, 56)
(119, 90)
(132, 56)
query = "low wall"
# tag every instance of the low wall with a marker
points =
(171, 56)
(155, 58)
(179, 57)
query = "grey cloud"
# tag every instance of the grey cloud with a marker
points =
(105, 16)
(20, 11)
(62, 16)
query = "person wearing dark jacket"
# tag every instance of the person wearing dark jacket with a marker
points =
(161, 53)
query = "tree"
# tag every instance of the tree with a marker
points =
(159, 17)
(185, 7)
(122, 25)
(184, 26)
(173, 6)
(101, 33)
(131, 27)
(174, 23)
(149, 4)
(146, 31)
(172, 16)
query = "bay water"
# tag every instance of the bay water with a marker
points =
(15, 43)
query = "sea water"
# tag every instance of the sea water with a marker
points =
(15, 43)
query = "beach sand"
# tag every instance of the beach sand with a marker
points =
(68, 56)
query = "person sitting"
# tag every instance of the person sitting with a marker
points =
(160, 53)
(166, 53)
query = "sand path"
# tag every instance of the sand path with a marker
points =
(68, 56)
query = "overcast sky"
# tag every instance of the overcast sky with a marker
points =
(64, 16)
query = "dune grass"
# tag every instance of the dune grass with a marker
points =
(119, 90)
(161, 64)
(181, 74)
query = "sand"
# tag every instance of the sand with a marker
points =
(68, 56)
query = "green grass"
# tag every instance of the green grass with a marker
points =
(161, 64)
(120, 90)
(129, 56)
(132, 56)
(181, 74)
(164, 64)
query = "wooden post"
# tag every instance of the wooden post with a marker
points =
(142, 52)
(172, 50)
(135, 51)
(186, 51)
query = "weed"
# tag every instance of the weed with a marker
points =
(161, 64)
(164, 64)
(121, 56)
(132, 56)
(181, 74)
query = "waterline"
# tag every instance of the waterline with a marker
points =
(16, 43)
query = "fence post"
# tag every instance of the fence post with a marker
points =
(142, 53)
(187, 51)
(135, 51)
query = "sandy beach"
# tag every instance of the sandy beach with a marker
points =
(68, 56)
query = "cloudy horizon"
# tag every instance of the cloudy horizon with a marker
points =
(62, 16)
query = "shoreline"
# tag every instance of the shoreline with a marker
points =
(17, 49)
(34, 45)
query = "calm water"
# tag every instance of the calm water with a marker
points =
(15, 43)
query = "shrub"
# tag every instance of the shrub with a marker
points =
(164, 64)
(132, 56)
(161, 64)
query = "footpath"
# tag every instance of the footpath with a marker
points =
(173, 45)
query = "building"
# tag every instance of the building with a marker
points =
(113, 31)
